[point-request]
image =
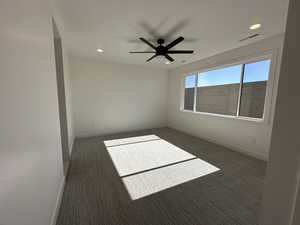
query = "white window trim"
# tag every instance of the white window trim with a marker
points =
(270, 95)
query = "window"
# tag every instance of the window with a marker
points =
(189, 92)
(254, 89)
(237, 90)
(218, 90)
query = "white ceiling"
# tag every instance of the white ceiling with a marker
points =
(210, 26)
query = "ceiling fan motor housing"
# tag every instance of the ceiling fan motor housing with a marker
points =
(164, 50)
(160, 41)
(161, 50)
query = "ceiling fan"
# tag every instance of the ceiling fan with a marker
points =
(164, 50)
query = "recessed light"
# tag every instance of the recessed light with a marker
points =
(100, 50)
(167, 62)
(255, 26)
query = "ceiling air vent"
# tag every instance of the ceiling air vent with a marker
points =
(250, 37)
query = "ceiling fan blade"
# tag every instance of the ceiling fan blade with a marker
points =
(181, 52)
(143, 52)
(169, 58)
(148, 43)
(175, 42)
(151, 58)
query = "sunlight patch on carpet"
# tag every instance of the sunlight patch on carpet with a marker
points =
(148, 164)
(144, 184)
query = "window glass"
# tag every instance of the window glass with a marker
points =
(189, 92)
(254, 89)
(218, 90)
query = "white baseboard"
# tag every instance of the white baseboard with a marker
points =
(58, 202)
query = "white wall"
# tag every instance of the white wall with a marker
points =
(68, 98)
(280, 204)
(110, 98)
(31, 171)
(246, 136)
(68, 93)
(57, 16)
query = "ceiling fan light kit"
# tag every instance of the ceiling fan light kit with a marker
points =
(164, 50)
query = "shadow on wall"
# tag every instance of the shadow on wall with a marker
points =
(148, 164)
(61, 96)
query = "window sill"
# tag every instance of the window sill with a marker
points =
(256, 120)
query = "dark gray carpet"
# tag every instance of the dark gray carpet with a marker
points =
(95, 195)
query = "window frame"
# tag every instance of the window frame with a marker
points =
(272, 79)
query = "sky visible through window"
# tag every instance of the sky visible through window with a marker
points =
(190, 81)
(256, 71)
(227, 75)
